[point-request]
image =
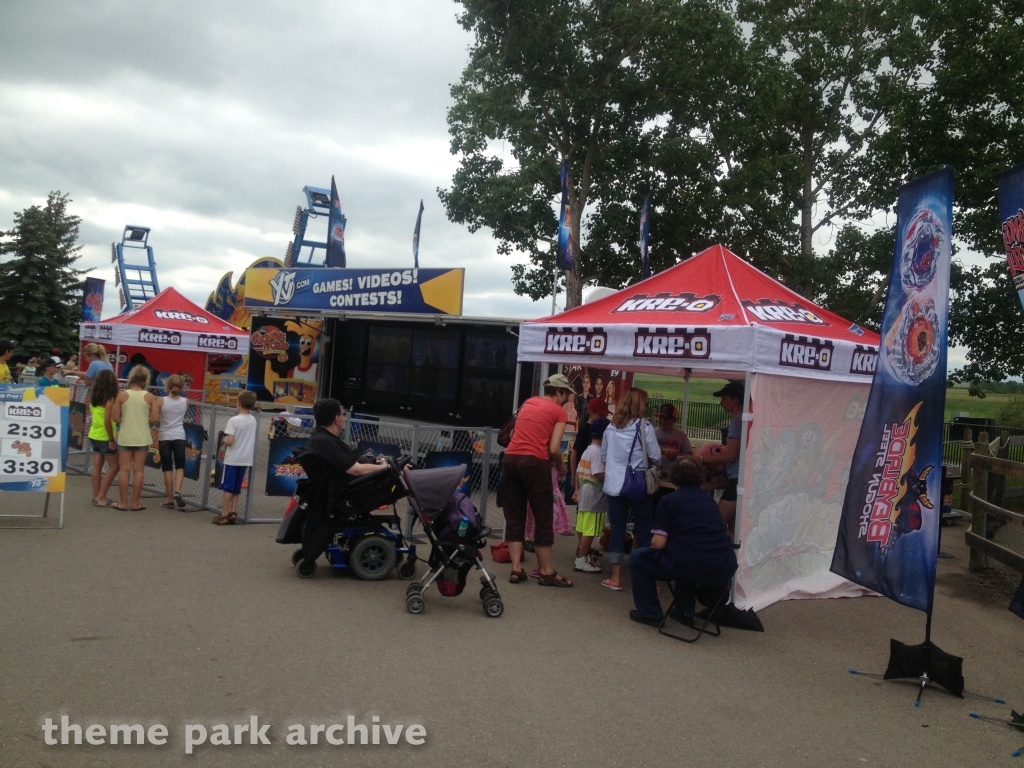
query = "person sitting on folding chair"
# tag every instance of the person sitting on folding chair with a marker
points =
(690, 546)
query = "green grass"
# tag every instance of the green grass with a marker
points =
(671, 387)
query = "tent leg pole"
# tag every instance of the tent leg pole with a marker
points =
(117, 360)
(741, 491)
(686, 398)
(515, 387)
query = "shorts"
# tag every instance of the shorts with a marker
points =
(102, 446)
(232, 480)
(172, 455)
(729, 494)
(590, 523)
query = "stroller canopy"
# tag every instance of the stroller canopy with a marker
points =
(431, 489)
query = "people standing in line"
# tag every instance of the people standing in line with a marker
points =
(134, 410)
(70, 365)
(6, 353)
(48, 376)
(95, 357)
(622, 450)
(170, 415)
(673, 442)
(240, 446)
(526, 477)
(689, 545)
(591, 503)
(102, 433)
(732, 402)
(596, 409)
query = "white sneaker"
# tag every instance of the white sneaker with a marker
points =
(586, 565)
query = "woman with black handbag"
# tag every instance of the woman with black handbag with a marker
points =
(631, 455)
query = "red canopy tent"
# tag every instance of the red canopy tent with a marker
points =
(171, 333)
(807, 370)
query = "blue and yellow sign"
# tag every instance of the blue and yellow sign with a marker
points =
(401, 291)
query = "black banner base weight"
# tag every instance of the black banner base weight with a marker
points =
(928, 663)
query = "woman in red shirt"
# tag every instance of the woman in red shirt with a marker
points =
(526, 477)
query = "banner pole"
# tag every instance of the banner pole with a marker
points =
(686, 396)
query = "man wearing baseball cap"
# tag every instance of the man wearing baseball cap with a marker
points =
(6, 353)
(732, 401)
(674, 442)
(526, 477)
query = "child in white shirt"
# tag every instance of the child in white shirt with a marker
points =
(591, 503)
(240, 442)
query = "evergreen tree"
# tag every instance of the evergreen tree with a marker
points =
(40, 290)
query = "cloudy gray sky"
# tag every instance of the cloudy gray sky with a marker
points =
(204, 121)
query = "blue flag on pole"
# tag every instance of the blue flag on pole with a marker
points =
(889, 531)
(335, 232)
(566, 254)
(645, 237)
(1011, 216)
(416, 239)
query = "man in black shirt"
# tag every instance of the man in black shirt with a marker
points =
(339, 458)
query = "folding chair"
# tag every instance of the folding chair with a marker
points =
(713, 597)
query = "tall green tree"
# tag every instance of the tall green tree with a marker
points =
(40, 289)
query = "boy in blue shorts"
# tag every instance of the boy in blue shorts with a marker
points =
(240, 442)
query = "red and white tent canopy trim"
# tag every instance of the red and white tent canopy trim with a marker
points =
(168, 321)
(714, 314)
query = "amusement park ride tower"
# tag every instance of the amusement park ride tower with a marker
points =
(136, 281)
(318, 203)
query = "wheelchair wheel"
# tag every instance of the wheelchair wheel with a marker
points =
(372, 558)
(407, 569)
(305, 568)
(296, 556)
(414, 603)
(494, 607)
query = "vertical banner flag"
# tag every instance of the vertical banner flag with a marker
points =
(889, 531)
(335, 231)
(565, 257)
(1011, 215)
(416, 239)
(92, 299)
(645, 237)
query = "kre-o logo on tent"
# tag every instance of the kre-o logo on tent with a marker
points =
(864, 360)
(577, 341)
(770, 311)
(149, 336)
(806, 352)
(205, 341)
(165, 314)
(672, 342)
(667, 302)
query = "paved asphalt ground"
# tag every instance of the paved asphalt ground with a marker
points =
(160, 617)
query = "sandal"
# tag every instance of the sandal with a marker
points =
(179, 500)
(553, 580)
(223, 520)
(167, 504)
(120, 508)
(517, 577)
(607, 583)
(103, 503)
(137, 509)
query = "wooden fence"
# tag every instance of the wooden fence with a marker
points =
(989, 480)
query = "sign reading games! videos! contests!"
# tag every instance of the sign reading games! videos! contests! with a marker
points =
(316, 289)
(33, 438)
(1011, 219)
(889, 532)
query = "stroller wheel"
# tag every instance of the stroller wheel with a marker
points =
(494, 607)
(305, 568)
(407, 569)
(296, 556)
(372, 558)
(485, 593)
(414, 588)
(414, 603)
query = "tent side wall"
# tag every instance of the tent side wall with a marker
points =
(797, 463)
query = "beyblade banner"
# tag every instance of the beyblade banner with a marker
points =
(889, 532)
(1011, 220)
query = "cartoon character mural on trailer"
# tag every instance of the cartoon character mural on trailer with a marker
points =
(284, 357)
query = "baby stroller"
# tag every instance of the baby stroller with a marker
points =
(341, 523)
(456, 536)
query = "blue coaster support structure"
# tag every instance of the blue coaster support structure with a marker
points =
(318, 203)
(136, 281)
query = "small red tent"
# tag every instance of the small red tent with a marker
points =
(172, 334)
